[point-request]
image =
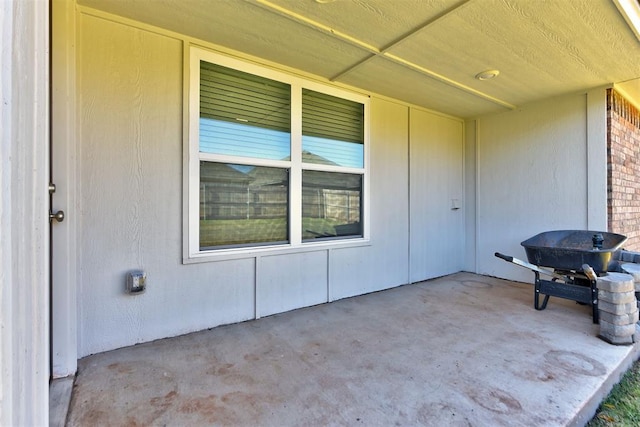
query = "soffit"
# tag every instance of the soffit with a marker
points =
(545, 49)
(423, 52)
(631, 90)
(413, 87)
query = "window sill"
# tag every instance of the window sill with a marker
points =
(256, 252)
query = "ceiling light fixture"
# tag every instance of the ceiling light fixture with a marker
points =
(487, 75)
(324, 1)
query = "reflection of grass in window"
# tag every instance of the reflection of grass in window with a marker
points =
(241, 231)
(225, 232)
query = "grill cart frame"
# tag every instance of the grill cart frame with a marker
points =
(576, 257)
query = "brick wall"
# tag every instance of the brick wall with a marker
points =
(623, 151)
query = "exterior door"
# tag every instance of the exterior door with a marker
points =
(437, 220)
(63, 150)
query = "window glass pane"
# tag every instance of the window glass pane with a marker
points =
(243, 115)
(331, 204)
(241, 205)
(218, 137)
(332, 130)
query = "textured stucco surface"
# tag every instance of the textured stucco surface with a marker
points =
(423, 52)
(531, 177)
(130, 165)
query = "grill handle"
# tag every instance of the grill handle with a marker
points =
(530, 266)
(588, 271)
(504, 257)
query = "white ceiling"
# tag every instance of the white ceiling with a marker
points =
(425, 52)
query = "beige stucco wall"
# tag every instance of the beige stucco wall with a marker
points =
(129, 210)
(532, 174)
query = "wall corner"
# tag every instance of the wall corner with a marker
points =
(24, 219)
(470, 194)
(597, 217)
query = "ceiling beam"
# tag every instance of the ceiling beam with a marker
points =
(446, 80)
(316, 25)
(384, 52)
(402, 38)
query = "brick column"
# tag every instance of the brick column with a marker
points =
(623, 168)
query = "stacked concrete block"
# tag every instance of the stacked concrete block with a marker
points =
(633, 270)
(627, 257)
(618, 308)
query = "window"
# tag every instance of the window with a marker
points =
(331, 204)
(273, 160)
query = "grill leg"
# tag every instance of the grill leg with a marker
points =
(536, 295)
(594, 302)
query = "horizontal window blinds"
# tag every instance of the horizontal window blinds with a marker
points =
(234, 96)
(329, 117)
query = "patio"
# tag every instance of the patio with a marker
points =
(459, 350)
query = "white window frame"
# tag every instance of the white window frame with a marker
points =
(193, 156)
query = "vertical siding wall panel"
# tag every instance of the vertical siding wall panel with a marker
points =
(596, 159)
(470, 191)
(130, 198)
(437, 230)
(291, 281)
(532, 177)
(384, 264)
(130, 84)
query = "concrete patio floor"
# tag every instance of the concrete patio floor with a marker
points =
(462, 350)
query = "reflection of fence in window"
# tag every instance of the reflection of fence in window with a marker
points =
(342, 206)
(240, 201)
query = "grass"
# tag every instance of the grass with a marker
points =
(242, 231)
(622, 406)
